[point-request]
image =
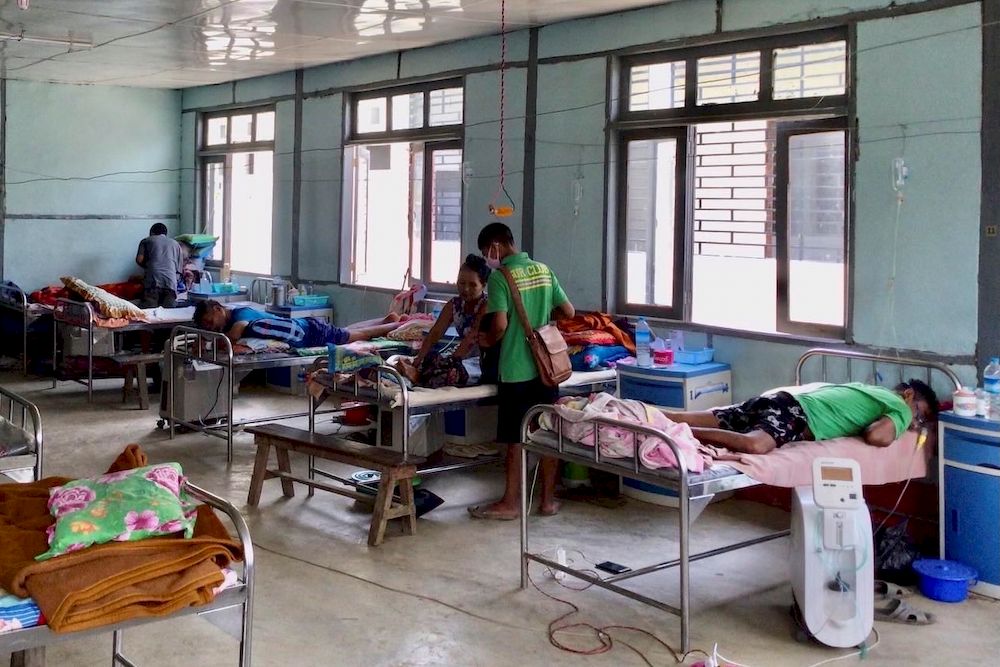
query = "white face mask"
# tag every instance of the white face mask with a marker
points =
(492, 262)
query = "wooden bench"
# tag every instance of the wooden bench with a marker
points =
(393, 468)
(135, 368)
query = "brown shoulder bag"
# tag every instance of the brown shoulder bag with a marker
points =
(547, 344)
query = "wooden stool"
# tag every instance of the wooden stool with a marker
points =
(135, 368)
(395, 472)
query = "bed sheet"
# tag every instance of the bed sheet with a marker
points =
(421, 397)
(791, 466)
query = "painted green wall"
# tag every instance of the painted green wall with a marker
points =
(916, 83)
(86, 151)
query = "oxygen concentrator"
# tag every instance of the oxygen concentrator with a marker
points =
(833, 569)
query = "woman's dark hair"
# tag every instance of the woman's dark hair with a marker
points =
(922, 391)
(477, 265)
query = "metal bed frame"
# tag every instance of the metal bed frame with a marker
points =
(22, 413)
(188, 344)
(81, 314)
(28, 645)
(694, 491)
(15, 299)
(383, 402)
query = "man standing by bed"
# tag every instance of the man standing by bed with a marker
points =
(162, 259)
(760, 424)
(520, 387)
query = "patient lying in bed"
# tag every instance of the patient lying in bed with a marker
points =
(760, 424)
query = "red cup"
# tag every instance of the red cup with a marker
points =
(663, 357)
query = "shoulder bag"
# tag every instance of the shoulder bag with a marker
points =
(546, 342)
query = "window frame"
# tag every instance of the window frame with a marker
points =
(222, 153)
(828, 111)
(432, 138)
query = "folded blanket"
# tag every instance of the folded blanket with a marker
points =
(588, 337)
(112, 582)
(17, 613)
(597, 322)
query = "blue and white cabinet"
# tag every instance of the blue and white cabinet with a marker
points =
(969, 478)
(678, 386)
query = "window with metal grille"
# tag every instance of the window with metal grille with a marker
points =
(733, 183)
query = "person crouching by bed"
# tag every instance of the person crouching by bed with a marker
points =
(296, 331)
(467, 314)
(520, 387)
(760, 424)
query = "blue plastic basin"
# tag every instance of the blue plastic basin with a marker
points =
(945, 580)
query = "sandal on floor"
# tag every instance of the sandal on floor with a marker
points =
(887, 589)
(899, 611)
(481, 512)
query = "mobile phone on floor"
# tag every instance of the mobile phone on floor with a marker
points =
(612, 568)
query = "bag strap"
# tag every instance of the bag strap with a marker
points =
(515, 294)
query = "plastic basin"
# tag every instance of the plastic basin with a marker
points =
(945, 580)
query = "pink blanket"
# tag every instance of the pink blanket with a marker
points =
(791, 465)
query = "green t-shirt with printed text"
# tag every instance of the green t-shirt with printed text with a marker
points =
(541, 293)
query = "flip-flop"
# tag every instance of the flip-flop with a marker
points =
(887, 589)
(900, 611)
(480, 512)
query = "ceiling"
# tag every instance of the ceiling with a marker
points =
(181, 43)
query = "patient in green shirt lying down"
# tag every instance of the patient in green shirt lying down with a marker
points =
(762, 423)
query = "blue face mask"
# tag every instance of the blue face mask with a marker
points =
(492, 262)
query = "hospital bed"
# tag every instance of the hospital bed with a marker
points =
(27, 645)
(392, 394)
(191, 346)
(694, 491)
(80, 314)
(20, 438)
(15, 300)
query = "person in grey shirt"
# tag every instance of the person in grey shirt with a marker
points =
(163, 260)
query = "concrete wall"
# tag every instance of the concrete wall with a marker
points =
(88, 170)
(919, 73)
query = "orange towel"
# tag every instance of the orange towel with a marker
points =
(113, 582)
(597, 322)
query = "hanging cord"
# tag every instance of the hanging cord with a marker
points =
(502, 210)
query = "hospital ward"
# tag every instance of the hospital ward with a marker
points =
(488, 333)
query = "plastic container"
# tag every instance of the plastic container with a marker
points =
(643, 339)
(225, 288)
(964, 402)
(945, 580)
(313, 300)
(663, 357)
(991, 383)
(698, 355)
(982, 403)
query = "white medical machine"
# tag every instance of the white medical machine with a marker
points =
(832, 558)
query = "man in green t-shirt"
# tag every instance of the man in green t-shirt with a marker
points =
(760, 424)
(520, 387)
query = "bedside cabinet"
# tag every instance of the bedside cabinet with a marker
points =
(969, 496)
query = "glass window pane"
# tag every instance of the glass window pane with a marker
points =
(215, 134)
(250, 222)
(407, 111)
(265, 126)
(417, 211)
(379, 203)
(446, 215)
(813, 70)
(242, 131)
(656, 86)
(651, 217)
(215, 198)
(816, 227)
(371, 115)
(733, 232)
(729, 79)
(446, 106)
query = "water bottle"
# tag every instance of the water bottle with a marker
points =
(991, 383)
(644, 336)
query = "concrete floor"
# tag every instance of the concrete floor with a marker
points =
(449, 595)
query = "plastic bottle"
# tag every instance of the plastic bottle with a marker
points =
(643, 338)
(991, 383)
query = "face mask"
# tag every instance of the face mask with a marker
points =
(492, 262)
